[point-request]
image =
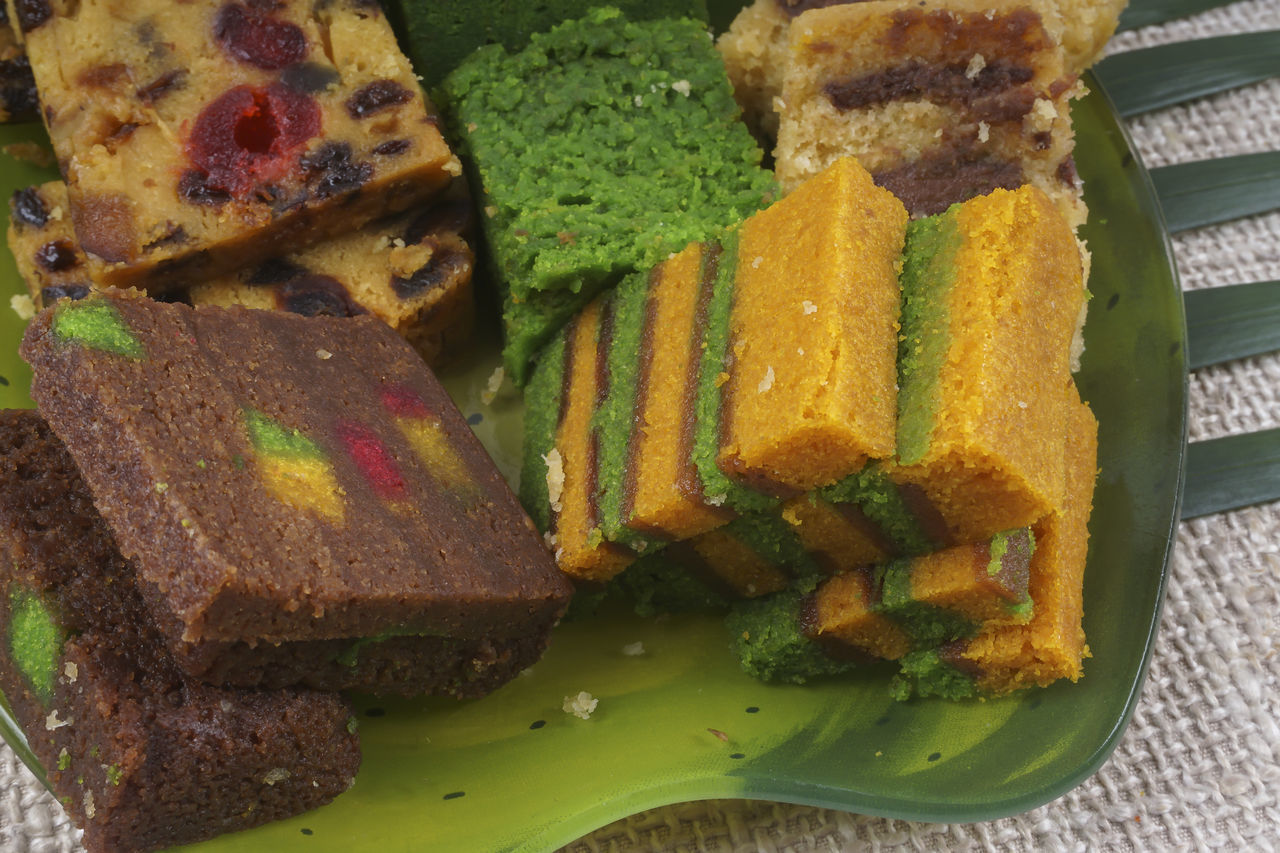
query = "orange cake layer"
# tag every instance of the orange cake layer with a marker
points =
(842, 612)
(663, 494)
(812, 349)
(986, 448)
(1052, 645)
(580, 550)
(973, 580)
(839, 537)
(737, 566)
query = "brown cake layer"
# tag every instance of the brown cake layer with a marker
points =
(139, 754)
(280, 479)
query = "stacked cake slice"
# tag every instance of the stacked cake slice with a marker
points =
(826, 389)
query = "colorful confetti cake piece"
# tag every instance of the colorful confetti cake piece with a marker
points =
(141, 755)
(302, 485)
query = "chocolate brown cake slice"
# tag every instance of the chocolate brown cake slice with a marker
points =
(302, 500)
(141, 755)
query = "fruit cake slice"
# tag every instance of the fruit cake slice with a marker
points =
(941, 101)
(755, 46)
(199, 137)
(295, 487)
(412, 270)
(141, 755)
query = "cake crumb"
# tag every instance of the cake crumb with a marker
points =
(452, 167)
(89, 808)
(581, 706)
(1042, 114)
(555, 478)
(30, 152)
(684, 87)
(52, 722)
(632, 650)
(809, 307)
(383, 242)
(323, 354)
(56, 213)
(767, 382)
(277, 774)
(976, 64)
(490, 392)
(984, 131)
(71, 671)
(23, 306)
(550, 539)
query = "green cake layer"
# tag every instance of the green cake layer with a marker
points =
(438, 36)
(712, 375)
(928, 271)
(542, 404)
(929, 672)
(599, 148)
(880, 500)
(769, 639)
(774, 635)
(615, 416)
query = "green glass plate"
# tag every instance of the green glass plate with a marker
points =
(680, 722)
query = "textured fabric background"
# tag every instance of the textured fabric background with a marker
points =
(1199, 767)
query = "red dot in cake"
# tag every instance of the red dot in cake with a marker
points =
(249, 135)
(403, 402)
(373, 459)
(250, 36)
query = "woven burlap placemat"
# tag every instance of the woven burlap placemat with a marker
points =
(1199, 767)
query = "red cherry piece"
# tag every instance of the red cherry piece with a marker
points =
(250, 36)
(251, 135)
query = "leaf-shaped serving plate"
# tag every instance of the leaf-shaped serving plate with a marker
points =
(682, 722)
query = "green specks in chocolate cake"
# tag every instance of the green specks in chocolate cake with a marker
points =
(768, 636)
(96, 324)
(600, 148)
(294, 469)
(273, 439)
(35, 641)
(928, 272)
